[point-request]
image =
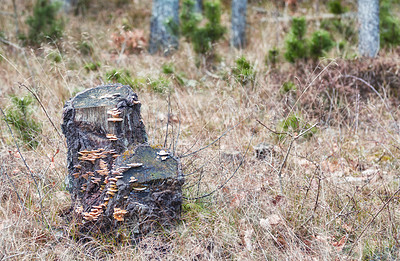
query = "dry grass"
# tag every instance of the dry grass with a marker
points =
(338, 184)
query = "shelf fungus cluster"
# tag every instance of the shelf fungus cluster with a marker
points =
(119, 214)
(115, 115)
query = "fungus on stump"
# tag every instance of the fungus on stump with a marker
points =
(115, 178)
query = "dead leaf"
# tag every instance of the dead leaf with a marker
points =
(340, 244)
(277, 199)
(271, 221)
(237, 200)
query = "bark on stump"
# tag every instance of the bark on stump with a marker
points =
(115, 178)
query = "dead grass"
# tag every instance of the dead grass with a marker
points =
(334, 182)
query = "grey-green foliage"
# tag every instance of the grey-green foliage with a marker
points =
(389, 25)
(44, 25)
(202, 37)
(20, 116)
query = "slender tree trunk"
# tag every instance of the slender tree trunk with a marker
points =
(198, 6)
(164, 26)
(238, 38)
(368, 17)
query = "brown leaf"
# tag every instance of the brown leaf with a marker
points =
(340, 244)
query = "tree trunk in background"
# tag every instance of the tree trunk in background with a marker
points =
(238, 38)
(164, 26)
(115, 178)
(198, 6)
(368, 18)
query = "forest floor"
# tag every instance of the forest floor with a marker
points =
(327, 188)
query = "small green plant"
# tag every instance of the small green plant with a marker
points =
(288, 87)
(389, 25)
(336, 7)
(20, 116)
(346, 28)
(299, 47)
(294, 123)
(202, 38)
(244, 71)
(124, 77)
(160, 85)
(94, 66)
(44, 26)
(272, 57)
(320, 42)
(86, 48)
(169, 69)
(55, 56)
(120, 76)
(296, 44)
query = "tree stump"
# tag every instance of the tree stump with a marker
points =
(368, 19)
(115, 178)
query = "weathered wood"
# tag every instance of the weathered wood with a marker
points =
(368, 37)
(238, 38)
(115, 178)
(164, 26)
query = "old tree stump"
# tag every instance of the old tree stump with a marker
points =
(115, 178)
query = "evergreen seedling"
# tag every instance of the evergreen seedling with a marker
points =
(320, 43)
(389, 25)
(296, 44)
(273, 57)
(202, 38)
(44, 26)
(336, 7)
(20, 116)
(243, 72)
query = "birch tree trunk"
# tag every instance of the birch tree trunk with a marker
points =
(164, 26)
(238, 38)
(368, 19)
